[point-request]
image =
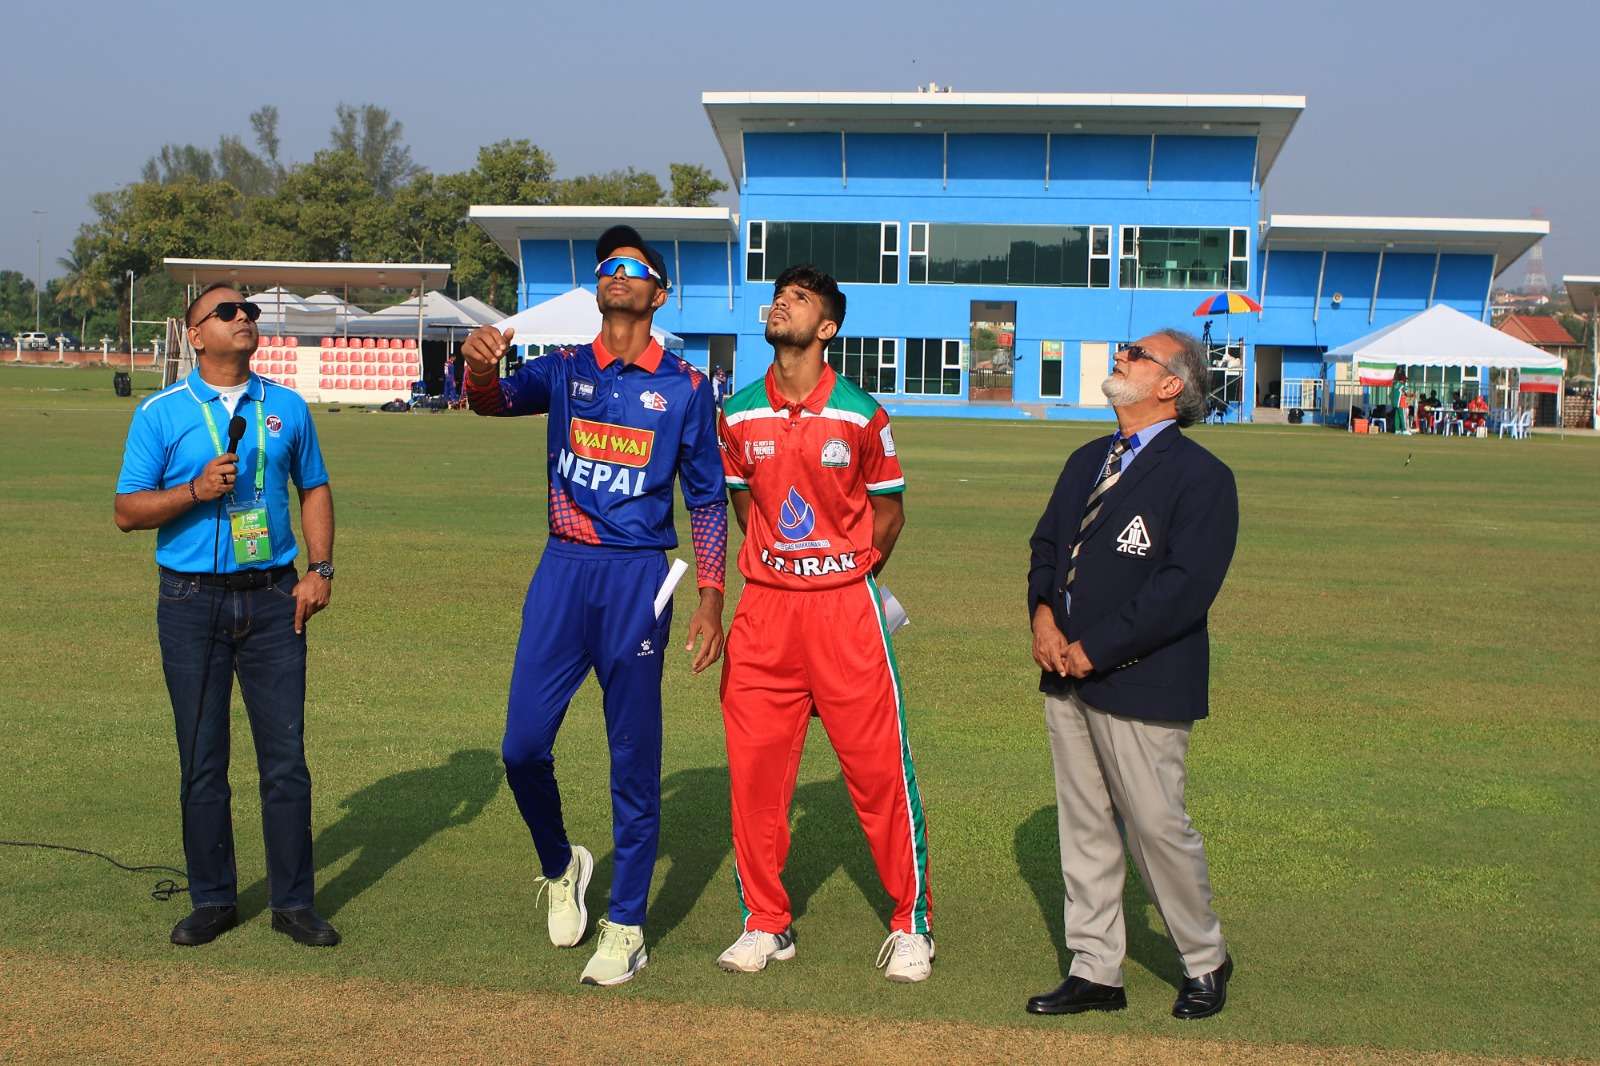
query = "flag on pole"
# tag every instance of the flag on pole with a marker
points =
(1542, 379)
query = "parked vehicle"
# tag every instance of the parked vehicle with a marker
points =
(67, 339)
(8, 342)
(34, 341)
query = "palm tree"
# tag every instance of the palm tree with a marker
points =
(83, 284)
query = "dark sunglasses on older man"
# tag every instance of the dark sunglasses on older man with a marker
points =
(1135, 353)
(227, 310)
(630, 267)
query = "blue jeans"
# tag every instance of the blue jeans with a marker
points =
(207, 636)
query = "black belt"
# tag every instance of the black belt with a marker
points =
(237, 581)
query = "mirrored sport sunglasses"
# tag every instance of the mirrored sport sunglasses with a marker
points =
(630, 267)
(227, 310)
(1136, 353)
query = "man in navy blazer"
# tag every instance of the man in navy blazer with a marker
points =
(1126, 561)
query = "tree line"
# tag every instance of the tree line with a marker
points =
(360, 199)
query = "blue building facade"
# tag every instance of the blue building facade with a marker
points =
(996, 249)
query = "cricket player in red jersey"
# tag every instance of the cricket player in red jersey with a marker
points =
(816, 488)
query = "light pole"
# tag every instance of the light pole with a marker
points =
(38, 265)
(130, 319)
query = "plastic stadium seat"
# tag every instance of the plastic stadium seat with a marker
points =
(370, 370)
(327, 342)
(327, 383)
(411, 342)
(271, 368)
(372, 385)
(294, 342)
(383, 342)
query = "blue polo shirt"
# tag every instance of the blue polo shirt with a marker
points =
(168, 444)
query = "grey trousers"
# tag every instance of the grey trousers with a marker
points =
(1122, 779)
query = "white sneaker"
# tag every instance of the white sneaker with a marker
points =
(906, 957)
(754, 949)
(619, 955)
(568, 916)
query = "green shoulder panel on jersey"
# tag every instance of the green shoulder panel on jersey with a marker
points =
(849, 397)
(753, 397)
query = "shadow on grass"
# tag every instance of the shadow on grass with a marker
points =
(696, 839)
(1038, 848)
(391, 818)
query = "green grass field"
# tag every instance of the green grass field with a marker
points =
(1397, 787)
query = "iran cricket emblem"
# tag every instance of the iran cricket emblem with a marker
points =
(1134, 538)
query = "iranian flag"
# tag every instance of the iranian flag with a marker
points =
(1375, 373)
(1543, 379)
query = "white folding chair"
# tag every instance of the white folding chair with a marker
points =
(1378, 425)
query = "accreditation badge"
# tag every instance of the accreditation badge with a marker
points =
(247, 524)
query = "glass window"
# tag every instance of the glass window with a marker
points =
(853, 252)
(869, 362)
(1185, 257)
(933, 366)
(1011, 255)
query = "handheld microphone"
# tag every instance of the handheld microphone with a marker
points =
(235, 433)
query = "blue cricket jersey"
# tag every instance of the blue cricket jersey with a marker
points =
(617, 433)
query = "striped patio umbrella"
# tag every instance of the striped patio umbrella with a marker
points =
(1226, 303)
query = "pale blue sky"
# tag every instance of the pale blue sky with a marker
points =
(1433, 108)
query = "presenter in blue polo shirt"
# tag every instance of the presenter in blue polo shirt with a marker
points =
(626, 419)
(207, 465)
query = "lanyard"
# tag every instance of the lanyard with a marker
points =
(261, 445)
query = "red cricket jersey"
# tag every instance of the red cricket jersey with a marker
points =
(809, 468)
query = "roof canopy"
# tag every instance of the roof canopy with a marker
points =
(506, 225)
(1268, 117)
(1504, 238)
(1443, 336)
(438, 311)
(1584, 292)
(265, 272)
(571, 318)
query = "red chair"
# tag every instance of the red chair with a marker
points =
(339, 383)
(411, 342)
(327, 342)
(327, 383)
(383, 342)
(294, 342)
(372, 385)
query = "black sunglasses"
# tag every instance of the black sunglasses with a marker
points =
(227, 310)
(1135, 353)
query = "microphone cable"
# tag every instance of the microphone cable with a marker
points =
(165, 889)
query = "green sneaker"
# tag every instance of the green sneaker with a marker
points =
(568, 916)
(618, 957)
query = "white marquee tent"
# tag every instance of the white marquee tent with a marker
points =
(1443, 336)
(571, 318)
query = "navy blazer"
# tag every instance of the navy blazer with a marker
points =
(1150, 567)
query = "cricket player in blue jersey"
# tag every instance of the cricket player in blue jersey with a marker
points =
(625, 418)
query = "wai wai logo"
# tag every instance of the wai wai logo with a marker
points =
(1134, 538)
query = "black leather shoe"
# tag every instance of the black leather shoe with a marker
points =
(204, 925)
(1203, 996)
(1077, 995)
(305, 926)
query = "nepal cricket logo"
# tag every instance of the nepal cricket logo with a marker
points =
(796, 519)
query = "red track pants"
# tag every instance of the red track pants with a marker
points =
(790, 653)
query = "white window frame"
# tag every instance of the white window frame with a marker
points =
(949, 359)
(918, 229)
(927, 236)
(884, 252)
(750, 245)
(888, 355)
(1236, 231)
(761, 313)
(755, 246)
(1106, 258)
(1128, 251)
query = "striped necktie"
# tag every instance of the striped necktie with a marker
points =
(1109, 474)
